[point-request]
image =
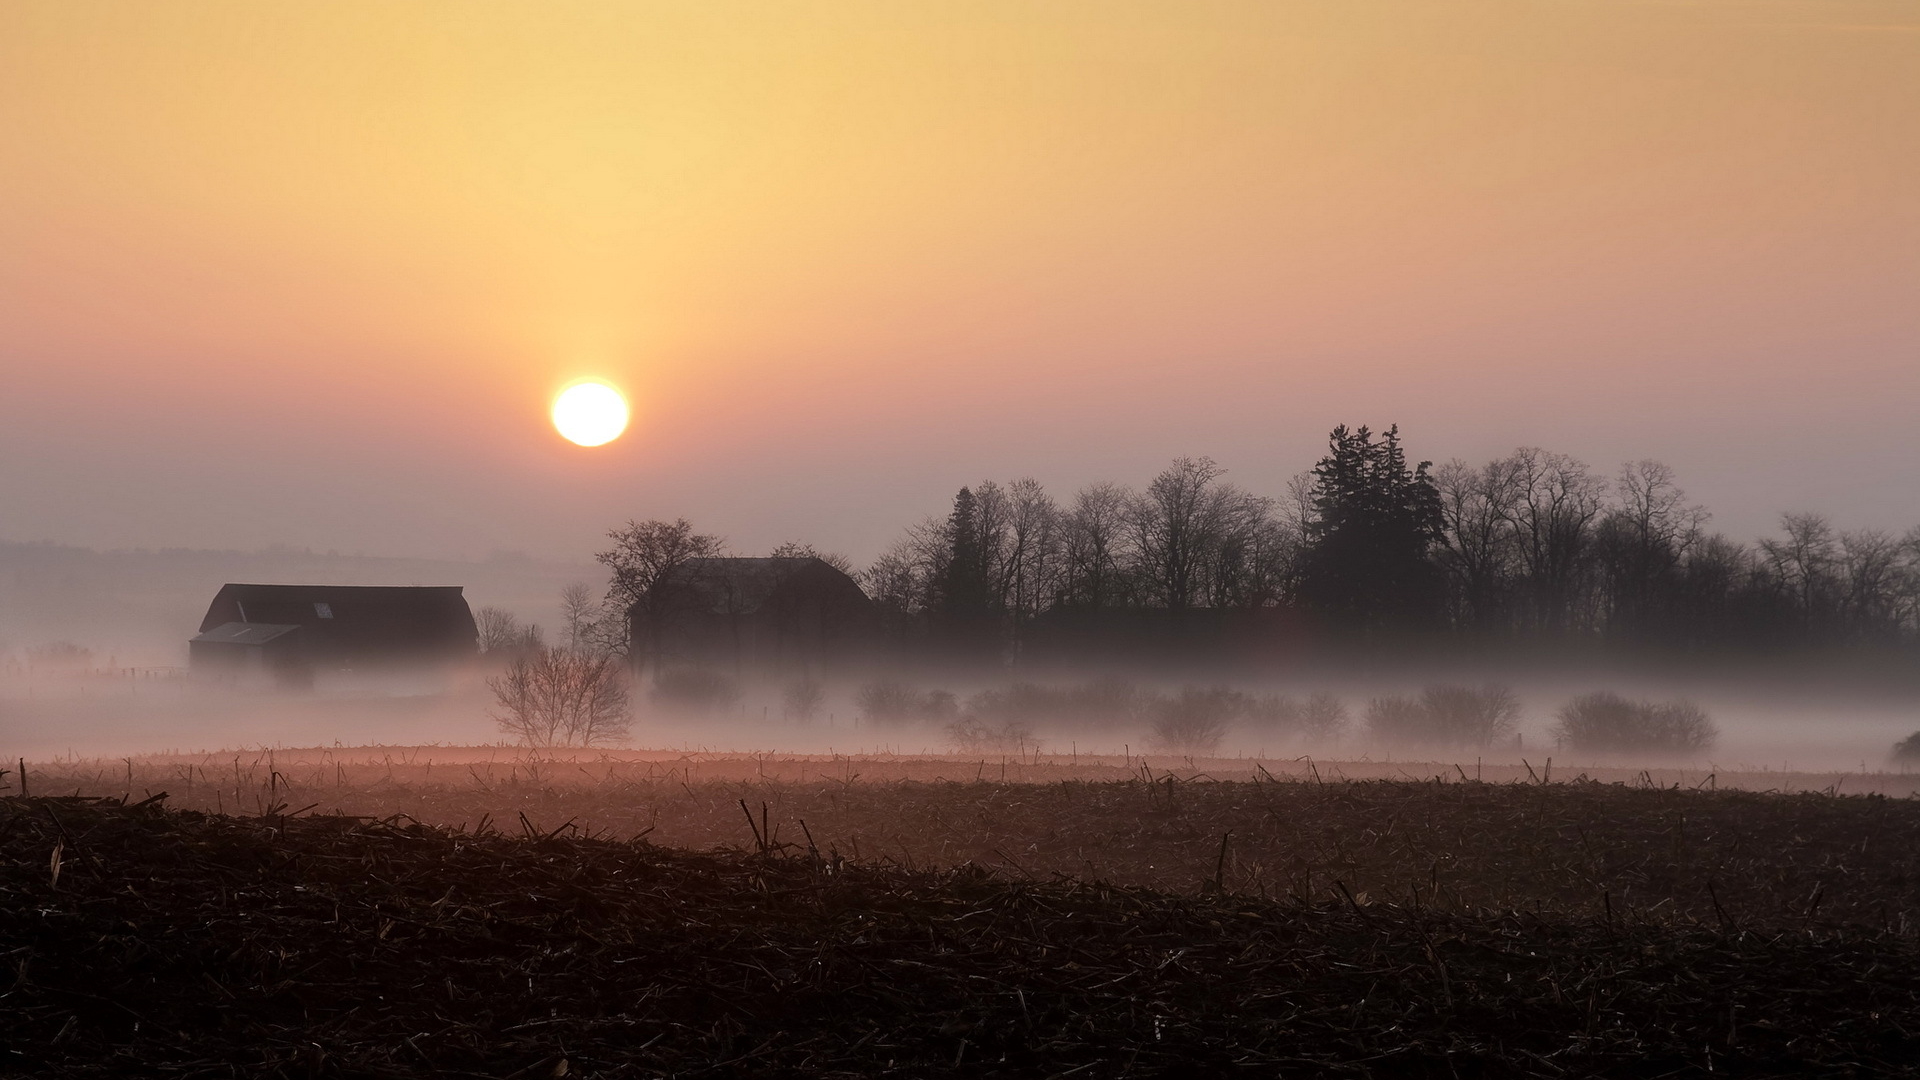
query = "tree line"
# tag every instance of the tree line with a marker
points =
(1531, 548)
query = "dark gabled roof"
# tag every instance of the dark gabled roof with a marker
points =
(729, 586)
(354, 622)
(240, 633)
(308, 605)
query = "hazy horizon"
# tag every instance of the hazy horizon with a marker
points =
(310, 277)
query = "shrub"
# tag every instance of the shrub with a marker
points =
(59, 656)
(694, 690)
(552, 697)
(1396, 719)
(1907, 750)
(1320, 716)
(1323, 716)
(1195, 721)
(888, 702)
(972, 736)
(1101, 702)
(939, 705)
(803, 698)
(1446, 715)
(1605, 722)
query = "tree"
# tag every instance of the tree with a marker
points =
(1032, 550)
(501, 634)
(552, 697)
(1871, 566)
(1190, 535)
(1171, 523)
(794, 549)
(1092, 548)
(1804, 562)
(962, 594)
(643, 552)
(1641, 544)
(578, 615)
(1478, 551)
(1375, 522)
(1559, 502)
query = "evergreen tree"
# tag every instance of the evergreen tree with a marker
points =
(962, 600)
(1374, 523)
(963, 581)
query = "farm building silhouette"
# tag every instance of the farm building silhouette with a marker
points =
(752, 616)
(292, 631)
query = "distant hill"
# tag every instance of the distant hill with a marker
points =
(139, 606)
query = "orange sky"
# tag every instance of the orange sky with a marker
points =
(309, 273)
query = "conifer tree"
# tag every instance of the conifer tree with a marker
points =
(1374, 523)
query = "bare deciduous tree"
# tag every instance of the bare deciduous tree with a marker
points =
(1479, 552)
(1182, 528)
(794, 549)
(503, 637)
(902, 580)
(553, 697)
(1195, 721)
(1559, 500)
(642, 552)
(1095, 533)
(1033, 549)
(1605, 722)
(578, 613)
(803, 698)
(1805, 561)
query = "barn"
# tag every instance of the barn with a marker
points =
(765, 616)
(291, 631)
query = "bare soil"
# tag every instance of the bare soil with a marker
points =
(615, 917)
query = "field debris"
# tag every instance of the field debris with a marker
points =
(180, 943)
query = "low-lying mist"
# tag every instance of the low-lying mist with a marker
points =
(1614, 721)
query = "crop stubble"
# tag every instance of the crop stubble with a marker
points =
(1364, 928)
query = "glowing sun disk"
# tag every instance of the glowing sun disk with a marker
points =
(590, 413)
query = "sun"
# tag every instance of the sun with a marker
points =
(590, 413)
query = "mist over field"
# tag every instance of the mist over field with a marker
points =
(1762, 725)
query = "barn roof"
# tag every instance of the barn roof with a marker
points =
(308, 605)
(240, 633)
(350, 623)
(741, 586)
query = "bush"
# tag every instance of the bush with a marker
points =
(1605, 722)
(1907, 750)
(970, 735)
(888, 702)
(1396, 719)
(1101, 702)
(1321, 716)
(1195, 721)
(1446, 715)
(552, 697)
(803, 698)
(694, 690)
(59, 656)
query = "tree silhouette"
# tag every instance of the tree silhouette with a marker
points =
(962, 600)
(643, 552)
(1374, 523)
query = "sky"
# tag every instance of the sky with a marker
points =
(310, 274)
